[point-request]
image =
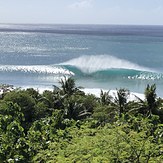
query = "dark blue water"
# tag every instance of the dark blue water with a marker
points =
(97, 56)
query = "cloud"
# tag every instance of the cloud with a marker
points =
(82, 4)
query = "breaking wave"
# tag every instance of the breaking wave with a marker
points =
(39, 69)
(91, 64)
(97, 67)
(104, 66)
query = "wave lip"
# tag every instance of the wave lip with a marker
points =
(90, 64)
(40, 69)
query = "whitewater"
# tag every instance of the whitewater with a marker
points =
(97, 56)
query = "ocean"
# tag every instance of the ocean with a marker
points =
(96, 56)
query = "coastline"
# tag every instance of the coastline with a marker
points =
(113, 93)
(89, 91)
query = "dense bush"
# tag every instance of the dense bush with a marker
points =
(65, 125)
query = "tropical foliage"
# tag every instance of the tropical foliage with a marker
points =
(66, 125)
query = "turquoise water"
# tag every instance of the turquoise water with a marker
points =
(97, 56)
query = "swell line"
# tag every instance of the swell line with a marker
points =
(40, 69)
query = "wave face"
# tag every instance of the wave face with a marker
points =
(91, 64)
(104, 66)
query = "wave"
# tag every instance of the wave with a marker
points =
(91, 64)
(105, 66)
(117, 73)
(39, 69)
(97, 67)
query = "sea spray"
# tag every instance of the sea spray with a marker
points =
(94, 63)
(36, 69)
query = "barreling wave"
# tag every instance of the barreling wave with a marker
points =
(118, 74)
(91, 64)
(104, 66)
(98, 67)
(39, 69)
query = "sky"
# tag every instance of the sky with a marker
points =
(140, 12)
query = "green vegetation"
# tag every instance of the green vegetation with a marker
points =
(66, 125)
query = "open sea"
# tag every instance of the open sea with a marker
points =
(97, 56)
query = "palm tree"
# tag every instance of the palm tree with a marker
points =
(150, 95)
(68, 96)
(105, 98)
(68, 85)
(121, 100)
(150, 105)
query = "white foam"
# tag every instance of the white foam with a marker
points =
(36, 69)
(40, 89)
(113, 93)
(92, 63)
(94, 91)
(148, 76)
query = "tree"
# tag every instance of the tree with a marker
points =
(121, 100)
(68, 86)
(105, 98)
(78, 107)
(13, 144)
(34, 93)
(26, 103)
(4, 88)
(150, 95)
(111, 143)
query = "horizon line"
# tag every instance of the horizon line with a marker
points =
(98, 24)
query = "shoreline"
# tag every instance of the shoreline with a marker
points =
(97, 91)
(88, 91)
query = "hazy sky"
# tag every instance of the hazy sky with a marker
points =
(82, 11)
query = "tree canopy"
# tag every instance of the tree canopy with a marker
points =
(66, 125)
